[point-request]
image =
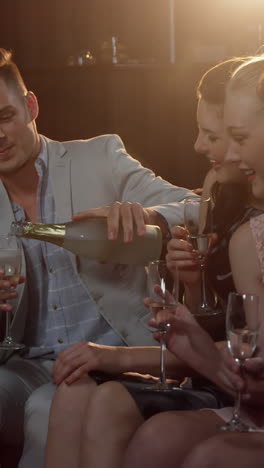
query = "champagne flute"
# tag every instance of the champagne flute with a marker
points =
(243, 320)
(199, 224)
(10, 263)
(163, 289)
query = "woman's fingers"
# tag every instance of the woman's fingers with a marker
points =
(179, 232)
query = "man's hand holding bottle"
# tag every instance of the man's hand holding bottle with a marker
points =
(125, 214)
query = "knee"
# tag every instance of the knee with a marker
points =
(67, 395)
(111, 408)
(111, 398)
(171, 444)
(70, 401)
(142, 449)
(172, 427)
(148, 432)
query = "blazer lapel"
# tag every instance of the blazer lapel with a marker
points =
(59, 172)
(6, 213)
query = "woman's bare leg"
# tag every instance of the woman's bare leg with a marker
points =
(165, 439)
(111, 420)
(65, 423)
(228, 450)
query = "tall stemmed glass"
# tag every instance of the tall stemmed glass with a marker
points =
(10, 263)
(163, 289)
(243, 321)
(199, 224)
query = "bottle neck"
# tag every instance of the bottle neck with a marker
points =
(54, 233)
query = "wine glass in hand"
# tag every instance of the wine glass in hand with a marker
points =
(243, 321)
(10, 263)
(199, 224)
(163, 289)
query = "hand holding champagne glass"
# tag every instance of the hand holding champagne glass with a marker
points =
(199, 224)
(10, 263)
(243, 321)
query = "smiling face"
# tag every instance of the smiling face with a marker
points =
(244, 119)
(212, 142)
(19, 141)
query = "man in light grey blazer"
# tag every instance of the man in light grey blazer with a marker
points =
(64, 299)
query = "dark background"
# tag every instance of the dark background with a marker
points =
(147, 100)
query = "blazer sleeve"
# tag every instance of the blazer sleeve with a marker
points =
(135, 183)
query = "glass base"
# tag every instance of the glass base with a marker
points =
(161, 387)
(236, 425)
(9, 343)
(206, 310)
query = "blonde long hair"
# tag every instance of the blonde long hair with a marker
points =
(249, 77)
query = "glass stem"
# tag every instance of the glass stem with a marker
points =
(237, 403)
(203, 288)
(163, 357)
(7, 325)
(236, 410)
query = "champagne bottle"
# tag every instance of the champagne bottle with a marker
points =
(88, 238)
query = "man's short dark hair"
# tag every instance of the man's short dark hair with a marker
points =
(10, 74)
